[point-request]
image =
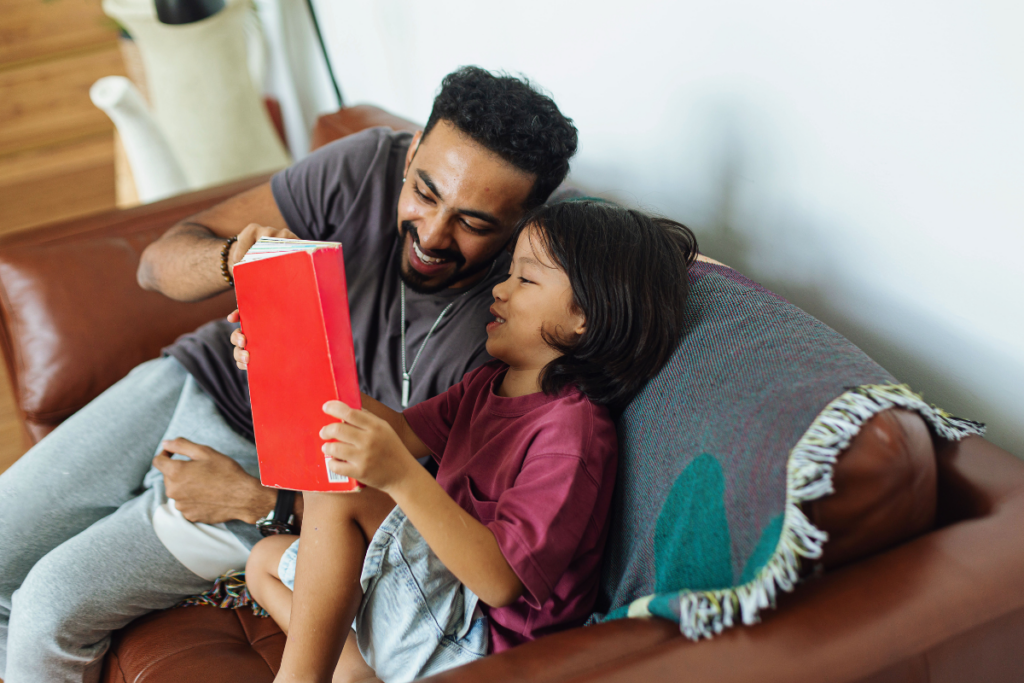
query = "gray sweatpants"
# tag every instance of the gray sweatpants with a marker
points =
(78, 554)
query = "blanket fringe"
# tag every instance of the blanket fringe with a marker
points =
(229, 592)
(704, 614)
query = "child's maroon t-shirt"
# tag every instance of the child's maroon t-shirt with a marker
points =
(538, 471)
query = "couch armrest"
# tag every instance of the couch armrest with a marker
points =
(330, 127)
(72, 318)
(947, 606)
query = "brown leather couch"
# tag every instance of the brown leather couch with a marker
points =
(922, 581)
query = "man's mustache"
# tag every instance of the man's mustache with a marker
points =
(446, 254)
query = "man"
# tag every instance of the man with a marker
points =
(97, 531)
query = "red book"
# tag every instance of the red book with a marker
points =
(293, 304)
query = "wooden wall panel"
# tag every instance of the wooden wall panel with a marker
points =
(56, 183)
(48, 103)
(33, 29)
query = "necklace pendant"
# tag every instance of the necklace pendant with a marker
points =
(406, 385)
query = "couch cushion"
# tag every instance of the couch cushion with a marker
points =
(196, 644)
(717, 454)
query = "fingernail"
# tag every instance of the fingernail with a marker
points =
(324, 448)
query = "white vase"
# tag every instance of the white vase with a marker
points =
(155, 168)
(202, 96)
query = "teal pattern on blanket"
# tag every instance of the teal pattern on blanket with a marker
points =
(717, 453)
(691, 537)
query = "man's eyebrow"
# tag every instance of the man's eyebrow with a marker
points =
(425, 177)
(479, 215)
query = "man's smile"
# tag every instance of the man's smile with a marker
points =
(430, 261)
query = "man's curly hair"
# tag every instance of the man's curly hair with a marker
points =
(512, 119)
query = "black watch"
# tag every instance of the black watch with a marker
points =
(281, 520)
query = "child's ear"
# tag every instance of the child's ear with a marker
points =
(581, 325)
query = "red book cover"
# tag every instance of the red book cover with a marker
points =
(293, 303)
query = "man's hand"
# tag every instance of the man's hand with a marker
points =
(248, 237)
(365, 447)
(238, 339)
(211, 488)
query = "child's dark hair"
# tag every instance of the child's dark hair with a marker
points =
(628, 272)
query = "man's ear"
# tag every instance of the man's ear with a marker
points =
(413, 146)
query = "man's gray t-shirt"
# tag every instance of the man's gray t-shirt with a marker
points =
(347, 192)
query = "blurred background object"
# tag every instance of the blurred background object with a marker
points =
(186, 11)
(154, 168)
(56, 148)
(204, 81)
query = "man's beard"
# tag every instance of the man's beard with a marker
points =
(417, 281)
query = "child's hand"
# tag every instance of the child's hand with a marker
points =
(365, 447)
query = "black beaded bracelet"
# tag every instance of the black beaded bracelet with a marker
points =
(224, 251)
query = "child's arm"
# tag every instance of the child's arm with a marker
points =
(466, 547)
(370, 450)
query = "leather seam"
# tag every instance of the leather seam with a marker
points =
(120, 668)
(253, 642)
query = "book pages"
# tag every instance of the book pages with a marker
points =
(267, 247)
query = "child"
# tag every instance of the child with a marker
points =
(505, 545)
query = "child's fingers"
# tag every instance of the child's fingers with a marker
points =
(341, 451)
(346, 413)
(333, 449)
(341, 467)
(340, 431)
(337, 409)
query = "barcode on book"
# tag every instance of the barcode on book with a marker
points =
(332, 477)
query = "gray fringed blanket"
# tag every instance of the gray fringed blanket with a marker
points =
(718, 451)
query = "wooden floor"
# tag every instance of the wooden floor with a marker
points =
(13, 440)
(56, 148)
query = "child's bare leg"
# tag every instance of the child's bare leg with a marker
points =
(265, 586)
(263, 581)
(351, 667)
(336, 530)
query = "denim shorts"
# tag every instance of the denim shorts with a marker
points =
(416, 619)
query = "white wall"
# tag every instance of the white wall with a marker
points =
(863, 159)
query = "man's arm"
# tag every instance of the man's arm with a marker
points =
(184, 264)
